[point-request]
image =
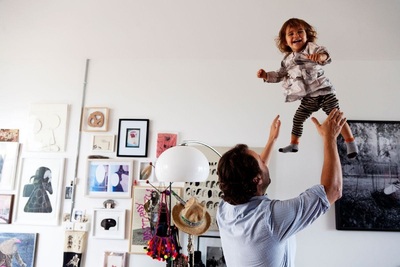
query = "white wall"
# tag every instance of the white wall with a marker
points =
(190, 67)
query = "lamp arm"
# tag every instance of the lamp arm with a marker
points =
(187, 142)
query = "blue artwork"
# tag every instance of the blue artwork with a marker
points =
(17, 249)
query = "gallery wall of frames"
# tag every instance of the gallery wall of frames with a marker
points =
(33, 185)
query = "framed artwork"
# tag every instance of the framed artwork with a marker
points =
(165, 141)
(47, 127)
(133, 137)
(40, 191)
(78, 215)
(103, 143)
(95, 119)
(145, 204)
(145, 171)
(6, 208)
(371, 182)
(9, 135)
(25, 245)
(109, 223)
(109, 178)
(114, 259)
(211, 250)
(8, 165)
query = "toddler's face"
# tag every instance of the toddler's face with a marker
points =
(296, 38)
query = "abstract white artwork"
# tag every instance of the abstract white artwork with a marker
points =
(47, 127)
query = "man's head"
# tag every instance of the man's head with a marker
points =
(242, 175)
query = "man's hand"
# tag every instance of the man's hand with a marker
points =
(332, 126)
(274, 129)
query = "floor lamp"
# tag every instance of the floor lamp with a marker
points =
(184, 163)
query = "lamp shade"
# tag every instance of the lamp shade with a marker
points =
(182, 164)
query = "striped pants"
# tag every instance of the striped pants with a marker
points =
(310, 105)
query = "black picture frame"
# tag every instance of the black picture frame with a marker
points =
(371, 184)
(133, 137)
(211, 250)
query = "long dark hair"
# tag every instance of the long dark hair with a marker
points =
(236, 171)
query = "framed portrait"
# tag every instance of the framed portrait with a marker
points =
(145, 171)
(95, 119)
(211, 250)
(109, 223)
(371, 182)
(25, 244)
(133, 137)
(103, 143)
(109, 178)
(40, 191)
(114, 259)
(145, 204)
(9, 152)
(6, 208)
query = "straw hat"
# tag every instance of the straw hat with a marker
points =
(192, 218)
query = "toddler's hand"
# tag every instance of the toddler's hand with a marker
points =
(317, 57)
(262, 74)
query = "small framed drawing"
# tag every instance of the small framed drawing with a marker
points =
(109, 223)
(211, 250)
(78, 215)
(133, 137)
(8, 164)
(145, 205)
(40, 191)
(145, 171)
(109, 178)
(103, 143)
(95, 119)
(114, 259)
(6, 208)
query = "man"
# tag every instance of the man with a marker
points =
(258, 231)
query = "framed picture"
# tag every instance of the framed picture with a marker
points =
(165, 141)
(78, 215)
(109, 223)
(8, 165)
(109, 178)
(211, 250)
(25, 244)
(9, 135)
(371, 181)
(114, 259)
(6, 208)
(103, 143)
(133, 137)
(145, 171)
(95, 119)
(47, 128)
(40, 191)
(145, 204)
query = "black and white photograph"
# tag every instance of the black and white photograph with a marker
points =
(211, 251)
(371, 184)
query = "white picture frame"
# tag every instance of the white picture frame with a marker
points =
(109, 223)
(114, 259)
(47, 127)
(109, 178)
(103, 143)
(9, 152)
(95, 119)
(145, 171)
(28, 211)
